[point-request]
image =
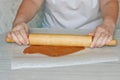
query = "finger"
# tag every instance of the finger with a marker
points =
(9, 35)
(19, 37)
(101, 41)
(104, 42)
(96, 37)
(24, 35)
(15, 38)
(109, 39)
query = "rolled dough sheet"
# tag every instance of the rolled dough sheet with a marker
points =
(87, 56)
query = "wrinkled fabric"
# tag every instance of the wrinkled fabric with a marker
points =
(72, 14)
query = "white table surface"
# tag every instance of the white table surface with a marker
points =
(101, 71)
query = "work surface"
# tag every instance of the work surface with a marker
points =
(101, 71)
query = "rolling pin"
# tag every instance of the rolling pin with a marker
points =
(62, 40)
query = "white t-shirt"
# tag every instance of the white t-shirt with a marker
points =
(72, 14)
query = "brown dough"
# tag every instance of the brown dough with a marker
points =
(53, 51)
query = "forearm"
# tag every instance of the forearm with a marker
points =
(27, 10)
(109, 9)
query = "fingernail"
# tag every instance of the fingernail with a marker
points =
(91, 46)
(27, 42)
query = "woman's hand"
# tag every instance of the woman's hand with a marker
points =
(19, 34)
(103, 34)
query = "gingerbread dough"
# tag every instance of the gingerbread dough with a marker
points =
(53, 51)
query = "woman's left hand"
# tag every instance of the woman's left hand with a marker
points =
(103, 34)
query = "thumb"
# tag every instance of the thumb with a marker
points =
(9, 35)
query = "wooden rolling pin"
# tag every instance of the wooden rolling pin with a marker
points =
(62, 40)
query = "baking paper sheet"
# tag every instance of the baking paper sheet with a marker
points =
(79, 58)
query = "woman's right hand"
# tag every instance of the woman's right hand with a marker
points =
(19, 34)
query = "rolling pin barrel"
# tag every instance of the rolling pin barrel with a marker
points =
(62, 40)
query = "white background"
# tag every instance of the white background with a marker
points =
(8, 9)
